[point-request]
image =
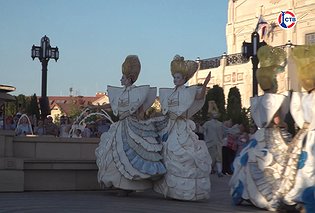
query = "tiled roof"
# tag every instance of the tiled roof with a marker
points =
(72, 103)
(81, 100)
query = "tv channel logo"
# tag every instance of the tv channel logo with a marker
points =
(286, 19)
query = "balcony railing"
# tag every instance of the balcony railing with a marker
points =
(235, 59)
(232, 59)
(210, 63)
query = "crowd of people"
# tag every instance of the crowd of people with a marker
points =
(66, 127)
(224, 141)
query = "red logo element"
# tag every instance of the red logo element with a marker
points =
(286, 19)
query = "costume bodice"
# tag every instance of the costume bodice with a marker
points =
(130, 99)
(263, 108)
(180, 101)
(124, 101)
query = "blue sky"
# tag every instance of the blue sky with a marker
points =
(95, 36)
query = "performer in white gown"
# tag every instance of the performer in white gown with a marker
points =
(186, 158)
(258, 168)
(299, 178)
(128, 155)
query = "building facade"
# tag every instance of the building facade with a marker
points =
(66, 105)
(232, 69)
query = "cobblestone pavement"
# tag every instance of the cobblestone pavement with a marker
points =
(107, 201)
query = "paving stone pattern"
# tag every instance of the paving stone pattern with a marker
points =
(107, 201)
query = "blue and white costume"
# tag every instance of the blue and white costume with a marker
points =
(299, 178)
(259, 167)
(128, 156)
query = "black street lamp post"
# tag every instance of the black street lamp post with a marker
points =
(250, 50)
(44, 52)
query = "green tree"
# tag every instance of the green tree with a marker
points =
(198, 116)
(32, 108)
(216, 94)
(234, 105)
(111, 114)
(75, 111)
(245, 118)
(11, 108)
(22, 103)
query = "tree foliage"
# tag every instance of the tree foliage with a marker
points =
(245, 118)
(216, 94)
(75, 111)
(32, 108)
(234, 105)
(22, 103)
(19, 105)
(10, 108)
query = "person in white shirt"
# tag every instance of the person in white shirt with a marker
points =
(213, 136)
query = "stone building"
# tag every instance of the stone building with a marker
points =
(231, 69)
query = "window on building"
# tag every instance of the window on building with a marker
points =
(310, 38)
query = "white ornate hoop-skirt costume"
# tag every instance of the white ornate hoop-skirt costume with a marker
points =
(259, 167)
(186, 158)
(299, 178)
(128, 156)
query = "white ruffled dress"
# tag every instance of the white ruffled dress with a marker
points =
(186, 158)
(259, 167)
(299, 180)
(128, 155)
